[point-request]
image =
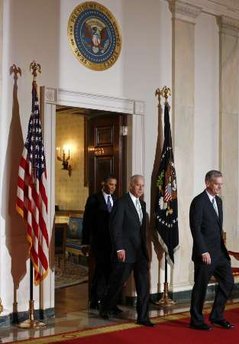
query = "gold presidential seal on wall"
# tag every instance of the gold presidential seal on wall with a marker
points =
(94, 35)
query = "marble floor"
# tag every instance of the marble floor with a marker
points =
(72, 314)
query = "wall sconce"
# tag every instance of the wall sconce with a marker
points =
(65, 160)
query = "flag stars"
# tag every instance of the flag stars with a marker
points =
(34, 143)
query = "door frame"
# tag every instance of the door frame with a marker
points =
(50, 98)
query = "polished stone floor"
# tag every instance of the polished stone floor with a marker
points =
(72, 314)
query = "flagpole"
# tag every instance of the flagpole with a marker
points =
(31, 322)
(165, 300)
(15, 71)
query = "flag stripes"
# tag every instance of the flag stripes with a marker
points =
(32, 199)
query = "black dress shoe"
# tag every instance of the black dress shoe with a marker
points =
(147, 323)
(94, 305)
(116, 310)
(223, 323)
(203, 326)
(104, 314)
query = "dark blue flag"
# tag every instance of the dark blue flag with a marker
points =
(166, 202)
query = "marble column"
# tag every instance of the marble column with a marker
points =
(183, 56)
(229, 124)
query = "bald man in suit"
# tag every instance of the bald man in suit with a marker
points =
(128, 235)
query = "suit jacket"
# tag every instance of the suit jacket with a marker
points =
(95, 230)
(206, 228)
(126, 231)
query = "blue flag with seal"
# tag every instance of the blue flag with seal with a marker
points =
(166, 209)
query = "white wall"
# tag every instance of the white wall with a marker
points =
(206, 124)
(72, 74)
(30, 32)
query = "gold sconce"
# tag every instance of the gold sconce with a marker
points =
(64, 158)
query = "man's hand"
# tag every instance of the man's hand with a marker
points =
(206, 258)
(85, 250)
(121, 255)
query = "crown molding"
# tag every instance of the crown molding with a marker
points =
(227, 8)
(184, 11)
(228, 25)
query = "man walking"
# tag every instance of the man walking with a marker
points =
(128, 234)
(96, 234)
(209, 255)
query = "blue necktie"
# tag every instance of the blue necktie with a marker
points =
(109, 205)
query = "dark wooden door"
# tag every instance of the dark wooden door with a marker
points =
(106, 150)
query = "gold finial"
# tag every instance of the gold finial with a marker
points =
(158, 93)
(165, 92)
(35, 67)
(16, 70)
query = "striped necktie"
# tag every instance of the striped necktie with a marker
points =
(139, 210)
(109, 205)
(214, 203)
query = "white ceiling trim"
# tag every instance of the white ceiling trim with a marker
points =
(228, 8)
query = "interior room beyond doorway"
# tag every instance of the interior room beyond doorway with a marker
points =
(73, 184)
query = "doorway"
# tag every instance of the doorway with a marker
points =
(50, 99)
(90, 145)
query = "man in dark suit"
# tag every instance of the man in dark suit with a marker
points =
(128, 234)
(95, 235)
(209, 255)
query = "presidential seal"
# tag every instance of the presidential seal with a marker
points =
(94, 35)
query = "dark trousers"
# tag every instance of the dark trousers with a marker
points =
(101, 274)
(120, 274)
(221, 269)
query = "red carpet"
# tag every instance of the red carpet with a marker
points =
(170, 329)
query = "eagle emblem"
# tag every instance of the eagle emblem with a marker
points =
(95, 36)
(167, 186)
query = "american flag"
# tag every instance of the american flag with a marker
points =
(167, 193)
(31, 192)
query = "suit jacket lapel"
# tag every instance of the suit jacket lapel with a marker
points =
(102, 200)
(144, 214)
(143, 209)
(219, 207)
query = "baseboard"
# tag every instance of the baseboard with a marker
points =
(17, 318)
(183, 297)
